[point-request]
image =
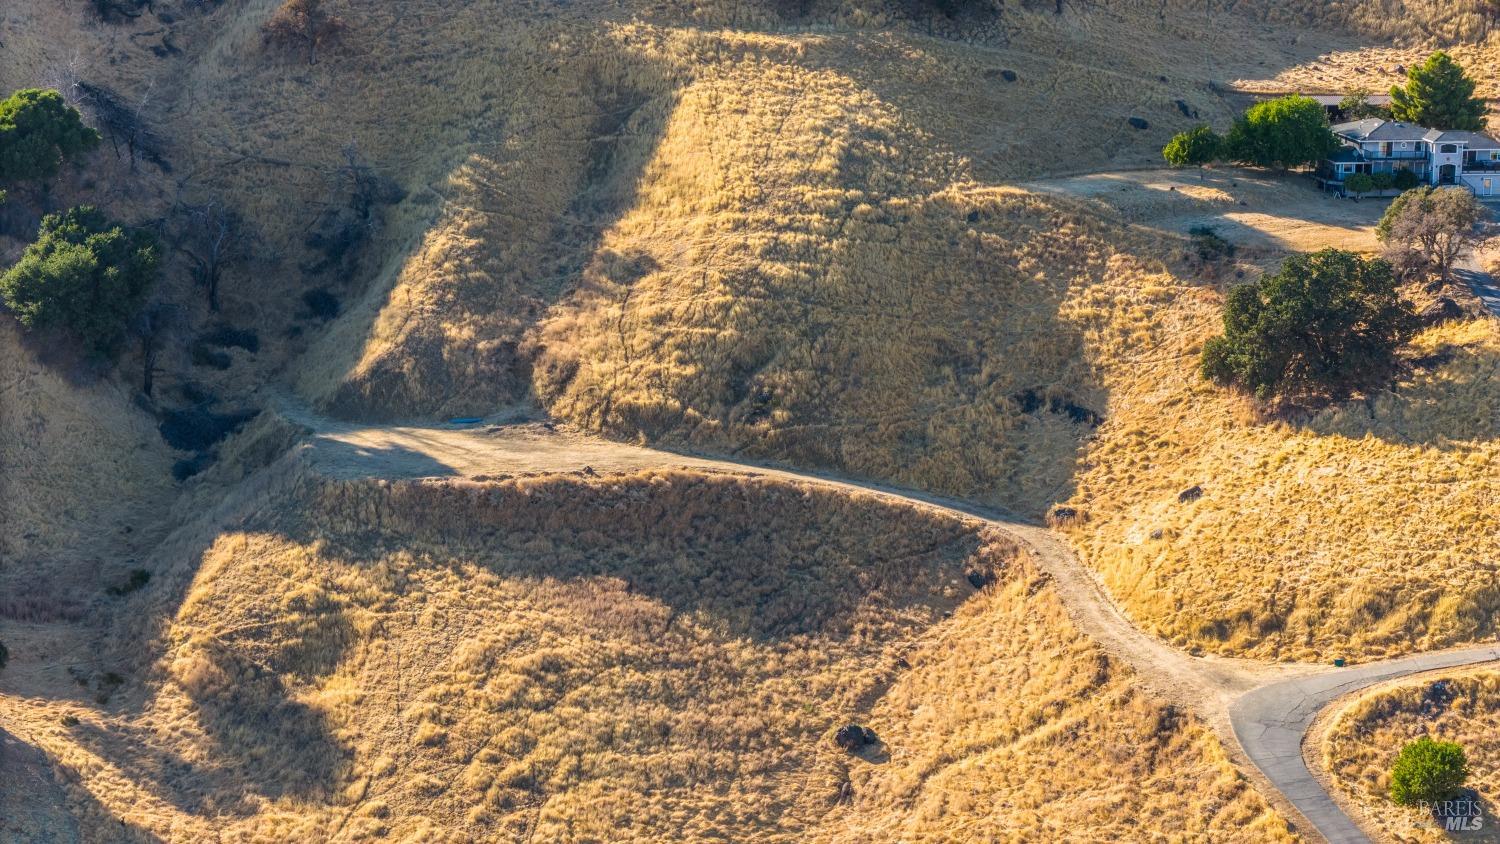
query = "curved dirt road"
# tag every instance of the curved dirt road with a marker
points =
(1266, 708)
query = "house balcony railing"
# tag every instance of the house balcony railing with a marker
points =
(1482, 166)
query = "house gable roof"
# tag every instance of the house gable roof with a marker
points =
(1375, 129)
(1474, 140)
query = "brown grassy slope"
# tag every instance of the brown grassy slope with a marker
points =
(632, 658)
(1369, 528)
(692, 129)
(1421, 21)
(81, 468)
(1364, 737)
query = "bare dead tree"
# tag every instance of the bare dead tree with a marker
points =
(150, 328)
(213, 236)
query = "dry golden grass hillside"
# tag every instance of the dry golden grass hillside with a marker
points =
(1363, 738)
(1366, 528)
(637, 657)
(81, 468)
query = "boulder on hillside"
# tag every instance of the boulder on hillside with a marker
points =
(1443, 310)
(1139, 123)
(1192, 493)
(854, 738)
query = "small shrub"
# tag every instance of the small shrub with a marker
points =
(135, 582)
(1359, 184)
(1209, 244)
(1406, 180)
(321, 304)
(1428, 771)
(1382, 181)
(4, 655)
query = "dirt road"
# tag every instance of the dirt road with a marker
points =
(1261, 711)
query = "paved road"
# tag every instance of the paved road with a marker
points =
(1482, 283)
(1265, 707)
(1271, 722)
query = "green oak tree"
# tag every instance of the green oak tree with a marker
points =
(38, 132)
(1284, 132)
(1327, 322)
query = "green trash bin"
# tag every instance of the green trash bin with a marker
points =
(1338, 662)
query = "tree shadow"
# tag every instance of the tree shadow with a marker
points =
(1448, 399)
(1469, 817)
(279, 746)
(746, 558)
(339, 458)
(39, 806)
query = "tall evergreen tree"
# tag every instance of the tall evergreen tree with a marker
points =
(1438, 95)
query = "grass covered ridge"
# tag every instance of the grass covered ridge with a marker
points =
(637, 657)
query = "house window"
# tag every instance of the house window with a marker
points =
(1449, 148)
(1385, 149)
(1488, 185)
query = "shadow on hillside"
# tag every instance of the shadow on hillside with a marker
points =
(743, 558)
(337, 458)
(505, 248)
(280, 746)
(1449, 400)
(35, 807)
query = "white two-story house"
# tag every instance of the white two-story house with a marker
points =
(1436, 156)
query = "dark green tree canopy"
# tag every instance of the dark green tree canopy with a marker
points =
(1327, 323)
(1194, 148)
(38, 131)
(85, 274)
(1285, 132)
(1438, 95)
(1428, 771)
